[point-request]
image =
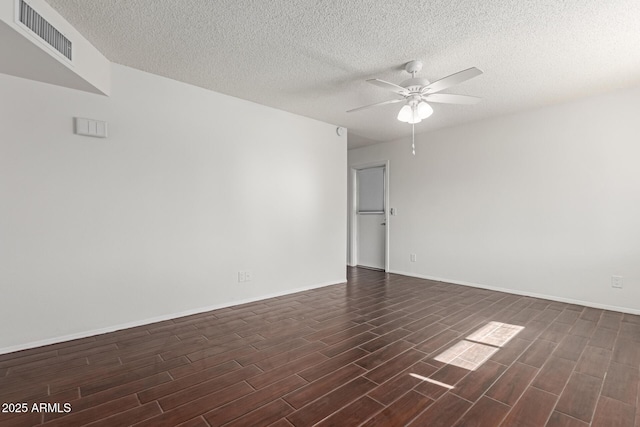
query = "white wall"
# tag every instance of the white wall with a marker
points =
(544, 202)
(190, 187)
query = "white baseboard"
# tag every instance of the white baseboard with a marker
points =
(519, 292)
(164, 317)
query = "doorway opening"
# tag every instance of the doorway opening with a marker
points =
(368, 220)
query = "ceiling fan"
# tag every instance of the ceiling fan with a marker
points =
(418, 92)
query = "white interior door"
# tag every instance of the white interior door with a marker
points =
(371, 217)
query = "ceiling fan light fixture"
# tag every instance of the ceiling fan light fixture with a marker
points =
(424, 110)
(405, 114)
(415, 117)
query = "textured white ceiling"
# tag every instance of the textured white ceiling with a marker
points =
(312, 57)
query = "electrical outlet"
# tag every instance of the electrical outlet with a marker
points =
(616, 282)
(412, 257)
(248, 275)
(242, 276)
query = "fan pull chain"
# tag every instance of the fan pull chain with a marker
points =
(413, 138)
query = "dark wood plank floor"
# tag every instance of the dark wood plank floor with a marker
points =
(361, 353)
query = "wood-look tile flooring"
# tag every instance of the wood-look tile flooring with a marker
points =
(361, 353)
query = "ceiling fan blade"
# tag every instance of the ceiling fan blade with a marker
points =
(389, 86)
(447, 98)
(393, 101)
(453, 79)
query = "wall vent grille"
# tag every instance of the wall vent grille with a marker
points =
(43, 29)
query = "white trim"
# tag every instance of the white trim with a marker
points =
(133, 324)
(519, 292)
(352, 258)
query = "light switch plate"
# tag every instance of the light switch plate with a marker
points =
(89, 127)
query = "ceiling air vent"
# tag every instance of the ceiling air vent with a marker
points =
(43, 29)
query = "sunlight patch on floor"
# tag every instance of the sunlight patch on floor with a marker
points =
(495, 333)
(473, 351)
(429, 380)
(467, 355)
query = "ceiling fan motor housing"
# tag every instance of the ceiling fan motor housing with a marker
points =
(413, 99)
(414, 84)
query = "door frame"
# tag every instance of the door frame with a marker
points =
(353, 216)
